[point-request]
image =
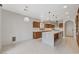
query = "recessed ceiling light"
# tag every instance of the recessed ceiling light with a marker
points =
(65, 6)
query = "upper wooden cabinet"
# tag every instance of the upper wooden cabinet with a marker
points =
(36, 24)
(60, 25)
(49, 26)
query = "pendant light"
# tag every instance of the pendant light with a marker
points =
(26, 19)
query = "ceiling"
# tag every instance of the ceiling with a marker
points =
(41, 10)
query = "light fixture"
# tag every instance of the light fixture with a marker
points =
(26, 19)
(26, 8)
(65, 6)
(49, 15)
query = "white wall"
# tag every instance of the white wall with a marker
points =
(13, 25)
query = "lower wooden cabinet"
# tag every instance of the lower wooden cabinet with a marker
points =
(56, 36)
(37, 35)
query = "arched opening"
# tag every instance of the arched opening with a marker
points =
(69, 29)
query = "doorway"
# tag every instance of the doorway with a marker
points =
(69, 28)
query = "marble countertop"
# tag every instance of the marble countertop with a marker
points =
(55, 30)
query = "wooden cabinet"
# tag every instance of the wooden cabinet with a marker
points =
(56, 36)
(37, 35)
(36, 24)
(49, 26)
(60, 25)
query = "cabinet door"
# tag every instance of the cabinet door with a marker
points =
(37, 35)
(60, 25)
(49, 26)
(56, 37)
(36, 24)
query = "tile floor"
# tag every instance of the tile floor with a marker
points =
(64, 46)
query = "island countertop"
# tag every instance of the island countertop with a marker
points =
(49, 37)
(55, 30)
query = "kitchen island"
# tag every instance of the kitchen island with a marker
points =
(50, 37)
